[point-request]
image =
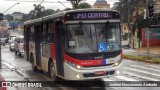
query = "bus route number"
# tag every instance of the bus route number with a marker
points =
(91, 15)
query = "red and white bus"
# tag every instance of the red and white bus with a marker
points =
(75, 45)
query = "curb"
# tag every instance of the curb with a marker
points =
(147, 61)
(2, 86)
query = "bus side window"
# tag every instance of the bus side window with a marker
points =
(43, 32)
(50, 32)
(31, 36)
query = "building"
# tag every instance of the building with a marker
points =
(101, 4)
(17, 15)
(125, 31)
(157, 6)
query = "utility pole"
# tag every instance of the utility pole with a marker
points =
(129, 26)
(1, 19)
(147, 29)
(0, 54)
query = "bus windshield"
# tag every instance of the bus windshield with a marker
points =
(92, 38)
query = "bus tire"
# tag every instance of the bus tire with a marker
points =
(52, 71)
(32, 63)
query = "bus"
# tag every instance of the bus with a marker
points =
(81, 44)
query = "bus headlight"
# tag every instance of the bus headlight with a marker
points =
(117, 62)
(78, 67)
(74, 65)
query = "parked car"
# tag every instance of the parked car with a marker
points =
(19, 45)
(125, 44)
(3, 41)
(11, 42)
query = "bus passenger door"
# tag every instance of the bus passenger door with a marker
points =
(59, 49)
(37, 44)
(26, 38)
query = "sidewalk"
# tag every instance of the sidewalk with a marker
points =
(7, 74)
(154, 52)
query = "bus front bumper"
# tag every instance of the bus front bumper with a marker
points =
(74, 74)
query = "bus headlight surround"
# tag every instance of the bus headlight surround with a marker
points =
(117, 62)
(74, 65)
(78, 67)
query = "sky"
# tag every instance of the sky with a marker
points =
(27, 5)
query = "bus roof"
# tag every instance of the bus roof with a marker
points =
(62, 14)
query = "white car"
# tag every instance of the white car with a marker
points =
(11, 43)
(19, 45)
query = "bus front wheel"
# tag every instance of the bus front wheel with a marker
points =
(52, 71)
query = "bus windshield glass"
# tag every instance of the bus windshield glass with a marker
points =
(92, 38)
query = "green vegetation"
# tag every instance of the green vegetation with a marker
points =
(142, 58)
(77, 5)
(40, 11)
(132, 11)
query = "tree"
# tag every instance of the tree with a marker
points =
(9, 17)
(37, 12)
(75, 3)
(129, 7)
(133, 11)
(84, 5)
(48, 12)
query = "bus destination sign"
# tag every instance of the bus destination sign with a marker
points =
(97, 15)
(91, 15)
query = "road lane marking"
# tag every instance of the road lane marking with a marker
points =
(142, 67)
(141, 76)
(125, 78)
(154, 66)
(142, 71)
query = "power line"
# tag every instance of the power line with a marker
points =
(47, 1)
(37, 1)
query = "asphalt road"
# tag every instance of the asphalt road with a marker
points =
(129, 71)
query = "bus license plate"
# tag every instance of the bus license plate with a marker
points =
(99, 73)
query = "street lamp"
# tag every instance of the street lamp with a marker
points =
(0, 37)
(10, 7)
